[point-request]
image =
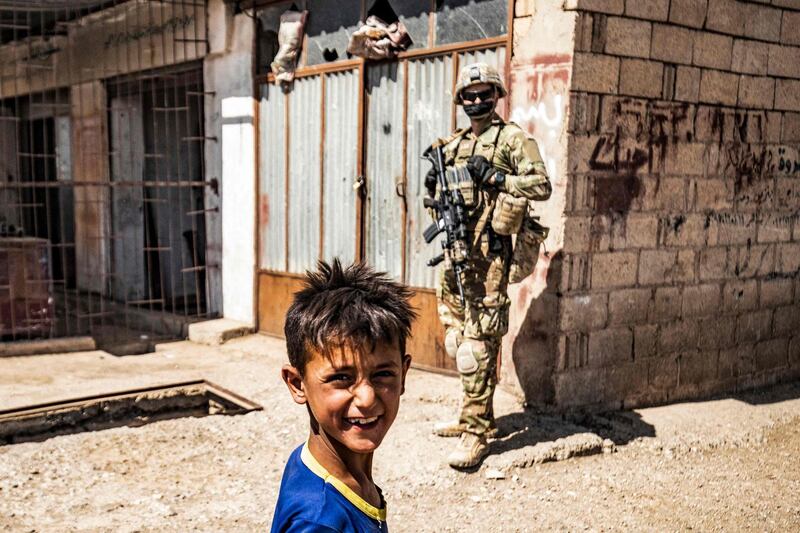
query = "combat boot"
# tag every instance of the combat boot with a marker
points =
(471, 449)
(454, 428)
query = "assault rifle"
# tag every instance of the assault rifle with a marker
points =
(451, 216)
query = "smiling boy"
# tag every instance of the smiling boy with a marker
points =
(345, 336)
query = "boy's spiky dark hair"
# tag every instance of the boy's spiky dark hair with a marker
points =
(354, 306)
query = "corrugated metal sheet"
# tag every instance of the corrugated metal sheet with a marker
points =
(305, 125)
(340, 166)
(495, 57)
(430, 84)
(272, 167)
(384, 167)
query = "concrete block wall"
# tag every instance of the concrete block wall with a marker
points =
(681, 242)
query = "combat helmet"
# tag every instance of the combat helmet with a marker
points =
(476, 73)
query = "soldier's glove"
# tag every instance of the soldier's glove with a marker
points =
(430, 182)
(482, 170)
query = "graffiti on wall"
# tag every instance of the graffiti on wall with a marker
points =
(544, 87)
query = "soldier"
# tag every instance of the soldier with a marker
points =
(506, 172)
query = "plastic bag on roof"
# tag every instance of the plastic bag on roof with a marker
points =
(290, 40)
(375, 39)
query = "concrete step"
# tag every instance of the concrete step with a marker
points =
(219, 331)
(47, 346)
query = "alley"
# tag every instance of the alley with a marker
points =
(727, 464)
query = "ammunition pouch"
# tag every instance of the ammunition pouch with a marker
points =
(509, 212)
(526, 248)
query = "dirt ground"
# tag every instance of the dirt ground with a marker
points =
(724, 465)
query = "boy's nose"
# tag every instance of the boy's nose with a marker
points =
(364, 394)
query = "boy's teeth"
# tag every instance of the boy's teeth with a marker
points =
(362, 421)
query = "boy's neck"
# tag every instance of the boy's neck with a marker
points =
(353, 469)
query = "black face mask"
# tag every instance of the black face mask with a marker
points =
(479, 110)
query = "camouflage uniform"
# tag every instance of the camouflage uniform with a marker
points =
(474, 332)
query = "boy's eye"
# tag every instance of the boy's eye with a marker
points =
(338, 377)
(384, 374)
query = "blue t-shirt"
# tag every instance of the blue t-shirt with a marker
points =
(312, 500)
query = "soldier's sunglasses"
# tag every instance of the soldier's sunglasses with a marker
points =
(471, 96)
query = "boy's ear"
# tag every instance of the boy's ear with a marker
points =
(294, 381)
(406, 366)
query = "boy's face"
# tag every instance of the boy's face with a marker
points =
(354, 396)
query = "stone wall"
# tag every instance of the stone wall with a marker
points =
(682, 233)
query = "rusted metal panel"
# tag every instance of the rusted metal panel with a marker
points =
(305, 126)
(340, 166)
(384, 167)
(429, 100)
(275, 293)
(495, 57)
(272, 165)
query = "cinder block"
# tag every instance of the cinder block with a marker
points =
(732, 229)
(687, 84)
(584, 113)
(695, 368)
(584, 312)
(628, 306)
(790, 28)
(787, 191)
(790, 130)
(791, 4)
(624, 37)
(787, 95)
(612, 7)
(772, 128)
(753, 327)
(677, 336)
(686, 159)
(713, 195)
(783, 61)
(662, 373)
(584, 29)
(688, 12)
(615, 269)
(750, 57)
(647, 9)
(726, 16)
(683, 230)
(789, 254)
(754, 260)
(645, 341)
(718, 87)
(701, 300)
(739, 296)
(666, 305)
(639, 77)
(664, 266)
(609, 347)
(776, 292)
(595, 73)
(577, 234)
(772, 353)
(671, 44)
(716, 332)
(713, 263)
(756, 92)
(794, 351)
(712, 50)
(641, 230)
(786, 321)
(774, 228)
(762, 22)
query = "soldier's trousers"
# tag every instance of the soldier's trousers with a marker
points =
(474, 332)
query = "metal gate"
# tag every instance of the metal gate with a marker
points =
(340, 173)
(104, 202)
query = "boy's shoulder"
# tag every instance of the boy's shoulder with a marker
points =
(307, 501)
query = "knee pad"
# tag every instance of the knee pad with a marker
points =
(452, 341)
(466, 361)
